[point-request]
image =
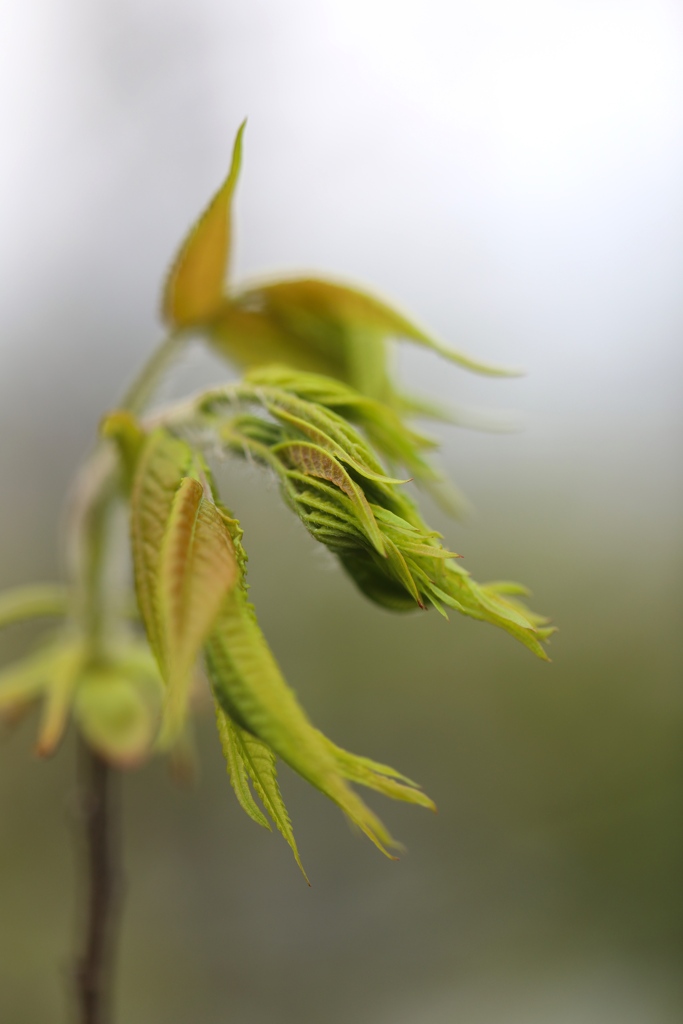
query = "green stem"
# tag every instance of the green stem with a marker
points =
(96, 494)
(31, 602)
(141, 390)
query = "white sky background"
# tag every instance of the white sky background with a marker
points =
(509, 174)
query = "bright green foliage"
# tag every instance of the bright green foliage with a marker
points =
(251, 691)
(184, 564)
(337, 489)
(318, 409)
(249, 758)
(391, 437)
(163, 463)
(197, 568)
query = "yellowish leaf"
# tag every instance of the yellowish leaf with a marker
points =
(329, 315)
(59, 695)
(196, 569)
(195, 285)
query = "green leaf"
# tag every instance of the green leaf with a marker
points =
(373, 581)
(196, 569)
(163, 462)
(402, 572)
(489, 605)
(248, 757)
(184, 563)
(326, 314)
(312, 422)
(59, 692)
(249, 687)
(24, 681)
(194, 288)
(239, 778)
(250, 338)
(383, 426)
(118, 713)
(379, 777)
(315, 461)
(372, 526)
(33, 602)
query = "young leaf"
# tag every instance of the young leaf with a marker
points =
(372, 526)
(380, 777)
(196, 569)
(382, 424)
(248, 757)
(315, 461)
(239, 778)
(249, 687)
(373, 581)
(24, 681)
(59, 693)
(326, 313)
(162, 463)
(249, 338)
(118, 713)
(194, 288)
(312, 422)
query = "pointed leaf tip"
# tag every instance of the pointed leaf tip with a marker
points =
(236, 161)
(249, 758)
(194, 288)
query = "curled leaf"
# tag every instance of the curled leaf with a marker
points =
(333, 481)
(118, 713)
(382, 424)
(312, 460)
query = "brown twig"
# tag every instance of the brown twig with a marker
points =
(100, 830)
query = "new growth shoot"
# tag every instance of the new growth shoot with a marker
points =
(317, 409)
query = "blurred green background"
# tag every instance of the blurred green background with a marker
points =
(510, 175)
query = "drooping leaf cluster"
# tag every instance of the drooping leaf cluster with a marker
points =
(318, 409)
(190, 574)
(332, 478)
